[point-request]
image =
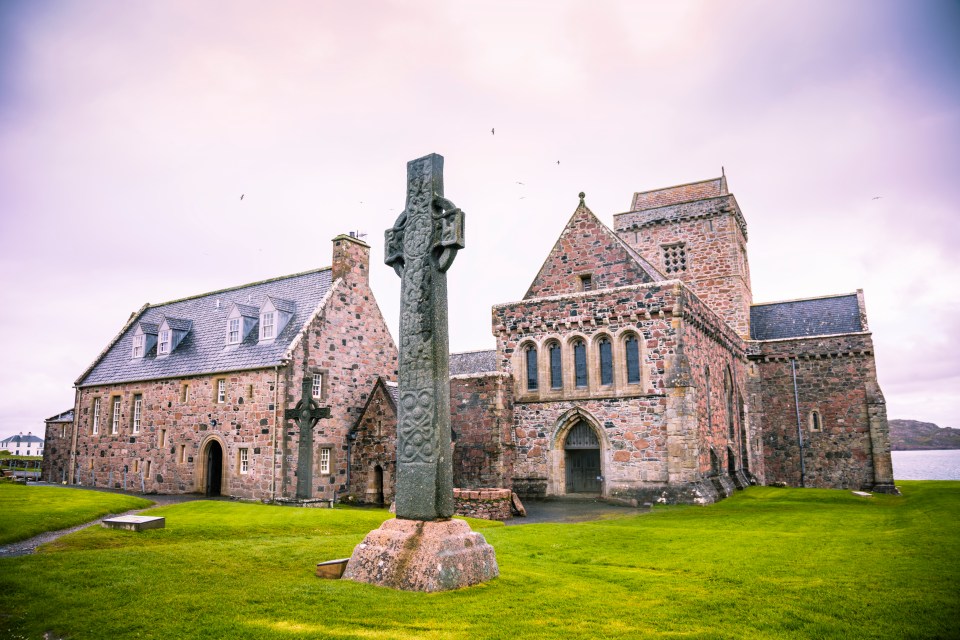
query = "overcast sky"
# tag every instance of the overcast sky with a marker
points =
(129, 130)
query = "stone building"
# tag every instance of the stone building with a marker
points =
(190, 396)
(56, 456)
(638, 368)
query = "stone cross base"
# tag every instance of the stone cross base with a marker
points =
(413, 555)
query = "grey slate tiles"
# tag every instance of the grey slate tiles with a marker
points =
(204, 348)
(803, 318)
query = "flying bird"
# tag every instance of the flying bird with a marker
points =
(877, 197)
(558, 162)
(493, 132)
(518, 182)
(241, 195)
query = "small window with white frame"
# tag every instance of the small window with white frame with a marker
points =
(243, 460)
(115, 418)
(96, 416)
(138, 343)
(233, 330)
(221, 390)
(163, 343)
(137, 412)
(267, 325)
(317, 385)
(325, 460)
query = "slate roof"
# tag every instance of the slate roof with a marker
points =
(803, 318)
(470, 362)
(20, 439)
(66, 416)
(394, 390)
(204, 349)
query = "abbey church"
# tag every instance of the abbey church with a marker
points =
(637, 367)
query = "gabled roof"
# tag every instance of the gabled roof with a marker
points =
(471, 362)
(204, 350)
(20, 438)
(65, 416)
(586, 245)
(246, 310)
(149, 327)
(828, 315)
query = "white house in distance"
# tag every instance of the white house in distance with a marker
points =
(23, 445)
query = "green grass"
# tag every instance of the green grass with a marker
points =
(766, 563)
(26, 511)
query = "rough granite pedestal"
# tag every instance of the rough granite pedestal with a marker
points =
(414, 555)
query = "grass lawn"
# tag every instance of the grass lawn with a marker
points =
(26, 511)
(766, 563)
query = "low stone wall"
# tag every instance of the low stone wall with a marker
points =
(488, 504)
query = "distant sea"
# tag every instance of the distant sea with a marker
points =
(939, 464)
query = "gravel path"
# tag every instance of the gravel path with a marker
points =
(28, 546)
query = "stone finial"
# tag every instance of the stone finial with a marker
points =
(582, 196)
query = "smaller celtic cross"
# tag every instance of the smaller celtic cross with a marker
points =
(306, 414)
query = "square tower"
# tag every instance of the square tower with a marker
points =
(695, 233)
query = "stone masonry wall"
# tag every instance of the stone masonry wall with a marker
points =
(834, 375)
(481, 417)
(350, 344)
(180, 417)
(710, 346)
(56, 451)
(677, 194)
(714, 235)
(374, 444)
(602, 256)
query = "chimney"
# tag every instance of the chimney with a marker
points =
(351, 257)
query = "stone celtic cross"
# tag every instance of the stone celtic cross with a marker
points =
(420, 247)
(306, 414)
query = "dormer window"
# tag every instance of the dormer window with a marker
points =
(163, 345)
(274, 316)
(240, 322)
(144, 339)
(138, 342)
(267, 326)
(233, 331)
(170, 334)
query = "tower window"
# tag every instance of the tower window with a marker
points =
(586, 282)
(674, 257)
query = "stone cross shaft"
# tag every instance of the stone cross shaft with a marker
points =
(306, 414)
(421, 247)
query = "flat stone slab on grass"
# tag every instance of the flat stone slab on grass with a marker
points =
(332, 569)
(135, 523)
(862, 494)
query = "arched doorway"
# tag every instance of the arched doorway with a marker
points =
(213, 469)
(581, 450)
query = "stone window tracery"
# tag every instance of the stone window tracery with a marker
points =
(674, 257)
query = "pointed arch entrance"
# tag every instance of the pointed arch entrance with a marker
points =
(577, 456)
(581, 451)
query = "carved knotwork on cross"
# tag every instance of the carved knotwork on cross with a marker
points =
(306, 414)
(420, 247)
